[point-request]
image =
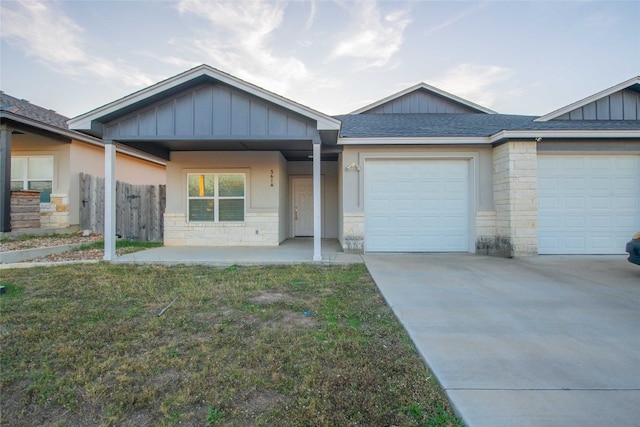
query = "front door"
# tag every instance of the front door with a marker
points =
(302, 207)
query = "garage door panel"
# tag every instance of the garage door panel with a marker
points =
(602, 183)
(625, 203)
(576, 203)
(427, 207)
(573, 183)
(587, 204)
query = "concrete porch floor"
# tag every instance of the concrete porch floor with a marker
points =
(291, 251)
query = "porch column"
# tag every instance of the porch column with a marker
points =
(5, 179)
(317, 211)
(109, 200)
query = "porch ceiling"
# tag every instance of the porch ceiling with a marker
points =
(292, 150)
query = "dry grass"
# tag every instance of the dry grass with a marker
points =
(287, 346)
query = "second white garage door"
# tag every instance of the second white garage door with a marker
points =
(416, 206)
(587, 204)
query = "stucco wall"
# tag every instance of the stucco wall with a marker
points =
(268, 213)
(262, 201)
(58, 213)
(89, 159)
(71, 158)
(352, 183)
(329, 172)
(281, 177)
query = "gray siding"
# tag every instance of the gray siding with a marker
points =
(623, 105)
(212, 112)
(422, 102)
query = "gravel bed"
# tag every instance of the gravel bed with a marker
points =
(36, 242)
(33, 242)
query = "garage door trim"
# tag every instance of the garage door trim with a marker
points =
(471, 185)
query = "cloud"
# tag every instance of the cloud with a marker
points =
(239, 40)
(474, 82)
(463, 14)
(312, 15)
(44, 32)
(376, 38)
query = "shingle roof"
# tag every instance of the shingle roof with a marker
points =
(26, 109)
(461, 125)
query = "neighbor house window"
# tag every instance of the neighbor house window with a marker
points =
(216, 197)
(33, 173)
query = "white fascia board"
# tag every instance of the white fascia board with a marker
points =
(415, 141)
(429, 88)
(324, 122)
(566, 134)
(78, 136)
(139, 154)
(581, 103)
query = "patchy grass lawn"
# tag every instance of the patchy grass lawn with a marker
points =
(274, 346)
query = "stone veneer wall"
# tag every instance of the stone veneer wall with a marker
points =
(56, 213)
(353, 226)
(516, 198)
(258, 229)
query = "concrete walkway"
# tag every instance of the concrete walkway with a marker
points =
(543, 341)
(292, 251)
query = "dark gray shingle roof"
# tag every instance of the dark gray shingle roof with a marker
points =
(21, 107)
(461, 125)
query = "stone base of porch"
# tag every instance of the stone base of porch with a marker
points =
(258, 229)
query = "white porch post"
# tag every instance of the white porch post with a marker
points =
(109, 200)
(317, 211)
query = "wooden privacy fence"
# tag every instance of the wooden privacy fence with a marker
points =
(139, 208)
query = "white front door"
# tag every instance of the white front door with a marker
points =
(302, 207)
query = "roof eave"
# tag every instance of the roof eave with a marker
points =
(538, 135)
(78, 136)
(581, 103)
(473, 140)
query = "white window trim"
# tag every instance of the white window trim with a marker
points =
(25, 179)
(216, 198)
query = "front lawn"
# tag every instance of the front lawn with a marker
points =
(242, 346)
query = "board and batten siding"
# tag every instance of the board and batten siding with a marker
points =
(214, 111)
(420, 102)
(622, 105)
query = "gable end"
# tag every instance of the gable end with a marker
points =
(621, 105)
(421, 102)
(211, 111)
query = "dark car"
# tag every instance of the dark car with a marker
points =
(633, 247)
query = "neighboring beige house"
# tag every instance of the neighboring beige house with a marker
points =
(46, 156)
(419, 171)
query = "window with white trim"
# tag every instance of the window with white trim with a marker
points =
(216, 197)
(33, 173)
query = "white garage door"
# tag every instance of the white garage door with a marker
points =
(417, 206)
(587, 204)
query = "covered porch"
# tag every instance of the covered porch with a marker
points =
(245, 167)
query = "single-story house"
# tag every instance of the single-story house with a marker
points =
(419, 171)
(40, 152)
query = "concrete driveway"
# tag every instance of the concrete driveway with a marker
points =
(541, 341)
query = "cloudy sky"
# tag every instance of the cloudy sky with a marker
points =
(515, 57)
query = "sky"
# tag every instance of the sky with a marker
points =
(514, 57)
